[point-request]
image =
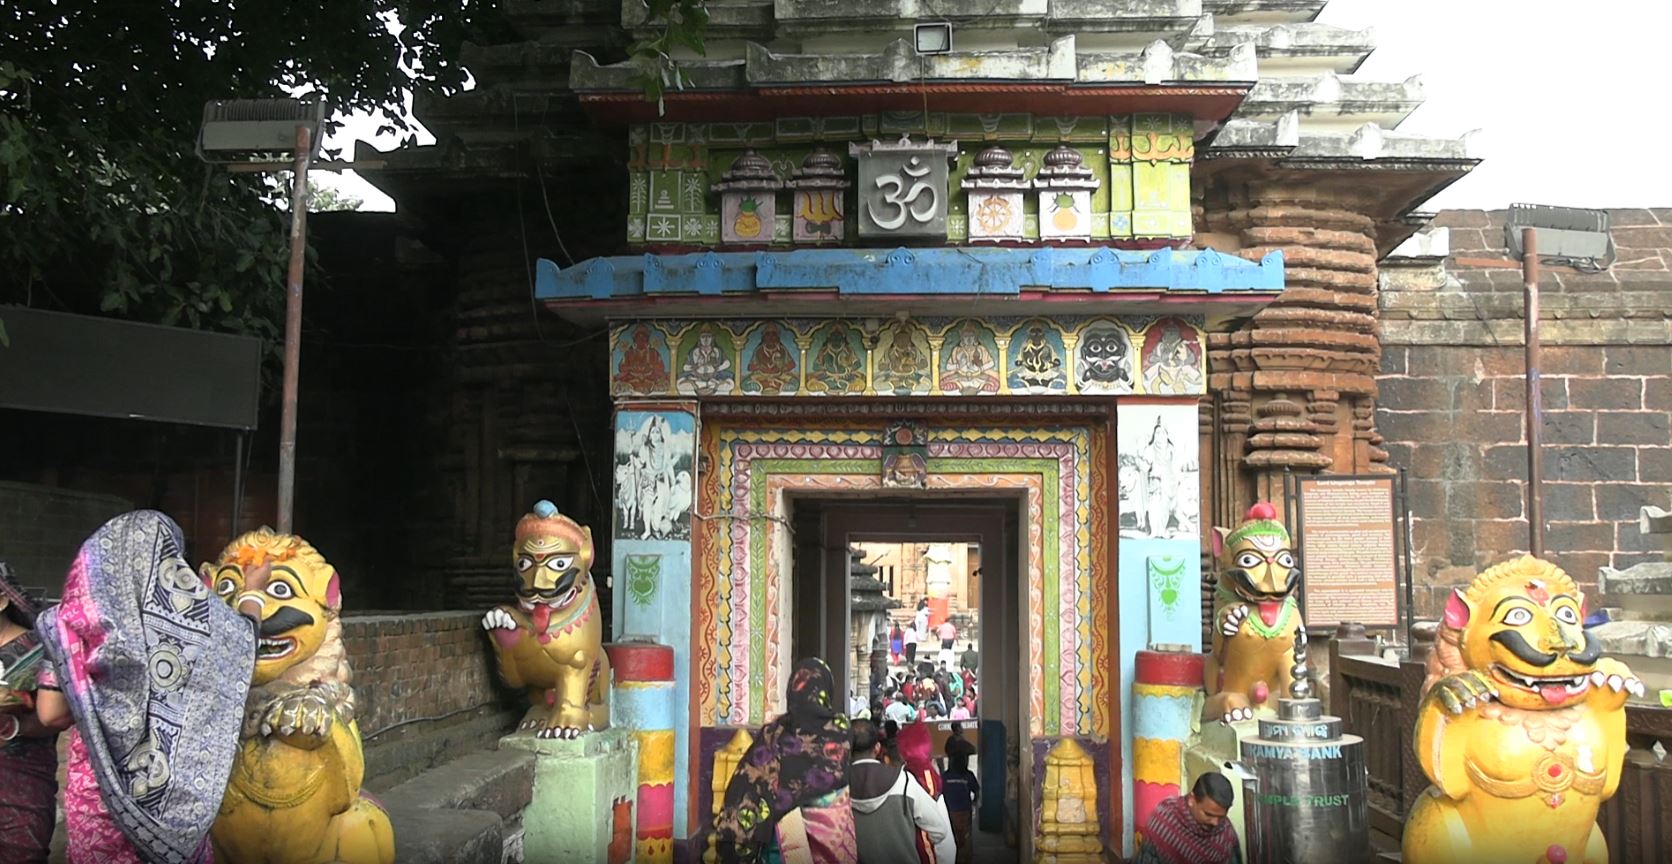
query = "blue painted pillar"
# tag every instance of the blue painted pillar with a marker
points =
(655, 481)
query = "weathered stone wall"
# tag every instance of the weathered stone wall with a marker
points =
(41, 527)
(425, 689)
(1453, 396)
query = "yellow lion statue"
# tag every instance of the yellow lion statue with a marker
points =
(1522, 731)
(1259, 645)
(294, 795)
(551, 641)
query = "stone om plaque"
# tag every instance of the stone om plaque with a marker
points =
(903, 188)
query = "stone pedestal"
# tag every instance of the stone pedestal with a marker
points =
(1219, 748)
(582, 809)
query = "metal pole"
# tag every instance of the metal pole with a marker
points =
(1535, 397)
(293, 328)
(237, 485)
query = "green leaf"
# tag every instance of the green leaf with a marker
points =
(245, 259)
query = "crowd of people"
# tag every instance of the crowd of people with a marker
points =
(817, 787)
(925, 684)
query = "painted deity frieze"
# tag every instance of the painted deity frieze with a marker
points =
(1173, 359)
(969, 360)
(836, 360)
(902, 361)
(1104, 359)
(771, 361)
(1038, 363)
(640, 361)
(962, 358)
(706, 361)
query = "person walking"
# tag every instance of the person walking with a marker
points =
(1192, 829)
(890, 807)
(28, 748)
(896, 643)
(788, 800)
(910, 637)
(917, 752)
(971, 660)
(920, 618)
(961, 791)
(131, 603)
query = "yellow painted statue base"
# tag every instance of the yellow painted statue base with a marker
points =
(1523, 733)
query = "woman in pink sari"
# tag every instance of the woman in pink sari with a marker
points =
(154, 670)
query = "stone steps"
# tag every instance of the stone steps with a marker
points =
(464, 810)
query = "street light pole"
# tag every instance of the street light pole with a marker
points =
(293, 327)
(1535, 395)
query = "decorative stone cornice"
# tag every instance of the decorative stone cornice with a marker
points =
(1329, 99)
(1343, 49)
(1159, 63)
(1255, 139)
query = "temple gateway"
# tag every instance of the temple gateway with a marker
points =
(1069, 293)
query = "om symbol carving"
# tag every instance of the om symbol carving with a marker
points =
(905, 201)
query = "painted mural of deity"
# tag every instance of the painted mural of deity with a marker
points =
(640, 367)
(1036, 360)
(1172, 359)
(771, 367)
(837, 364)
(707, 367)
(971, 364)
(902, 364)
(1104, 359)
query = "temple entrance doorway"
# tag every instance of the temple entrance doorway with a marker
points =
(925, 566)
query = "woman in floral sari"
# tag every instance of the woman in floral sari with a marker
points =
(28, 748)
(788, 801)
(154, 669)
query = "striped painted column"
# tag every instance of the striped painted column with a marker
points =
(1165, 698)
(644, 703)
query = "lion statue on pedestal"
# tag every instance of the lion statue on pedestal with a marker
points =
(294, 796)
(1522, 728)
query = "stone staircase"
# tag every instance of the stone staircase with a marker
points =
(466, 810)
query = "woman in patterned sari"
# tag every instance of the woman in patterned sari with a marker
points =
(28, 748)
(154, 669)
(788, 801)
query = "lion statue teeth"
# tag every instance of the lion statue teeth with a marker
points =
(1522, 726)
(1259, 646)
(294, 796)
(551, 640)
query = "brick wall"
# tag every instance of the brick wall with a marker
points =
(1453, 395)
(41, 527)
(425, 688)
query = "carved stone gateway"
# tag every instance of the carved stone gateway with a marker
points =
(903, 188)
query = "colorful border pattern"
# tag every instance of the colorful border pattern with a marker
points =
(642, 364)
(1059, 470)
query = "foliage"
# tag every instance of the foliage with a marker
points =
(682, 23)
(104, 205)
(325, 199)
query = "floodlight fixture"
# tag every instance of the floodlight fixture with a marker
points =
(1567, 234)
(258, 130)
(933, 38)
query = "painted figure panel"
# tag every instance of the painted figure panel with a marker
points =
(705, 361)
(902, 360)
(1103, 359)
(771, 361)
(836, 361)
(905, 455)
(653, 474)
(640, 361)
(969, 360)
(1159, 470)
(1037, 359)
(1173, 359)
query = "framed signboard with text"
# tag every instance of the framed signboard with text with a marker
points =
(1349, 558)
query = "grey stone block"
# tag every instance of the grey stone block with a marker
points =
(499, 781)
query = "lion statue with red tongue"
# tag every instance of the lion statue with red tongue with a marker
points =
(1259, 647)
(551, 640)
(1522, 727)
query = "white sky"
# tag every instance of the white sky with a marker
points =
(1570, 101)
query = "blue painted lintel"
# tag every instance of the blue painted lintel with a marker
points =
(932, 271)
